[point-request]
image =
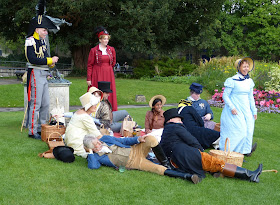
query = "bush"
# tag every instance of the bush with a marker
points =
(274, 81)
(212, 74)
(188, 79)
(78, 72)
(162, 67)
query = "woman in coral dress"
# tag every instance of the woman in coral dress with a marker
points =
(101, 61)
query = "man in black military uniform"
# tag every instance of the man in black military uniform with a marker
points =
(39, 62)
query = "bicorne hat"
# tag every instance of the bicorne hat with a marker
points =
(171, 113)
(40, 20)
(196, 87)
(64, 153)
(104, 86)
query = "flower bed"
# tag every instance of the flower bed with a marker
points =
(266, 101)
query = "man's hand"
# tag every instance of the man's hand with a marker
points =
(142, 138)
(207, 117)
(88, 150)
(54, 59)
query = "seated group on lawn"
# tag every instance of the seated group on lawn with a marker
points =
(171, 135)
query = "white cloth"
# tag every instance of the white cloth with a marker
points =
(105, 149)
(157, 133)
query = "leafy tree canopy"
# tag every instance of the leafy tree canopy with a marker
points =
(251, 27)
(136, 26)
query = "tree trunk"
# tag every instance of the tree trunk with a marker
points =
(80, 56)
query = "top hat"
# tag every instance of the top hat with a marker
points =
(94, 89)
(248, 59)
(88, 100)
(104, 86)
(64, 153)
(161, 97)
(171, 113)
(196, 87)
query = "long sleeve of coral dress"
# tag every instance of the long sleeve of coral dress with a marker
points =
(238, 128)
(100, 68)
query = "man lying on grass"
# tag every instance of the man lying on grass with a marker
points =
(188, 155)
(130, 153)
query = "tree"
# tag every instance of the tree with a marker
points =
(251, 28)
(137, 26)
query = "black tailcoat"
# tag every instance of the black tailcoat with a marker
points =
(195, 126)
(182, 148)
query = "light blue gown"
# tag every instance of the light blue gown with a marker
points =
(238, 128)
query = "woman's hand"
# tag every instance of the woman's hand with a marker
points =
(255, 117)
(89, 83)
(234, 111)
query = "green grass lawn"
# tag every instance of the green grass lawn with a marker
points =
(29, 179)
(127, 89)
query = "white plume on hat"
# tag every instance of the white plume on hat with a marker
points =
(88, 100)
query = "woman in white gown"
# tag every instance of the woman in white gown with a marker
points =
(82, 124)
(239, 114)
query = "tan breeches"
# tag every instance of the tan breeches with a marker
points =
(138, 154)
(211, 164)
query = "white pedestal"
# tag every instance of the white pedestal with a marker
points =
(58, 91)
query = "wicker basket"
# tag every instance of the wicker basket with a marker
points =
(55, 139)
(228, 156)
(217, 127)
(47, 130)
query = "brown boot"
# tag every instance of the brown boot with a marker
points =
(231, 170)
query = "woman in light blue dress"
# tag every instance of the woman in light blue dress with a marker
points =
(239, 114)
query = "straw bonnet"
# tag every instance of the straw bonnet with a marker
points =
(94, 89)
(161, 97)
(248, 59)
(88, 100)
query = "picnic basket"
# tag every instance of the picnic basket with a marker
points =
(47, 130)
(228, 156)
(55, 139)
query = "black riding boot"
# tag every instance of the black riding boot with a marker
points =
(232, 170)
(190, 177)
(160, 155)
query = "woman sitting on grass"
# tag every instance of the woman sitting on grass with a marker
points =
(82, 124)
(154, 120)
